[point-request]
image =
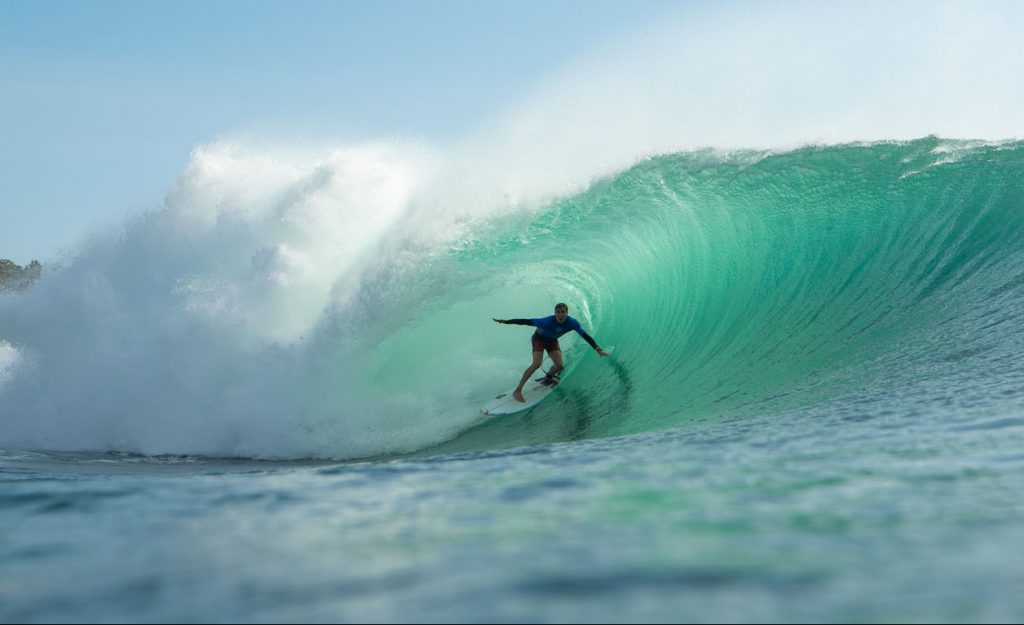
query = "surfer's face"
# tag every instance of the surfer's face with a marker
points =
(561, 314)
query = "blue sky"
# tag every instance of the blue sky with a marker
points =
(102, 102)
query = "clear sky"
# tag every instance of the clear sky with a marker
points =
(101, 102)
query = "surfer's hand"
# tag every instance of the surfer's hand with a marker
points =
(499, 320)
(602, 353)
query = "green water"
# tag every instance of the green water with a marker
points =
(750, 283)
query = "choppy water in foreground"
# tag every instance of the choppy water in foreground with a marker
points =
(830, 515)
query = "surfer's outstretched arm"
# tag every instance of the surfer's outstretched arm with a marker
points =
(515, 322)
(593, 343)
(589, 339)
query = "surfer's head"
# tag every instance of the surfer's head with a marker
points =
(561, 312)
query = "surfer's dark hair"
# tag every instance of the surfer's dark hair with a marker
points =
(561, 305)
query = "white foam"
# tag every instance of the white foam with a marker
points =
(193, 330)
(8, 360)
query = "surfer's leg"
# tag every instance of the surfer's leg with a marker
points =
(556, 368)
(538, 357)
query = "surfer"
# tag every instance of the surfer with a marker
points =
(546, 338)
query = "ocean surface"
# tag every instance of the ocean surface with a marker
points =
(251, 405)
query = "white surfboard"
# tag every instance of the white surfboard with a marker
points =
(534, 391)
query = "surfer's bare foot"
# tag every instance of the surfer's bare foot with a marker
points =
(519, 396)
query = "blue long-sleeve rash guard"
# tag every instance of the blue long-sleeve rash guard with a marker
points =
(548, 329)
